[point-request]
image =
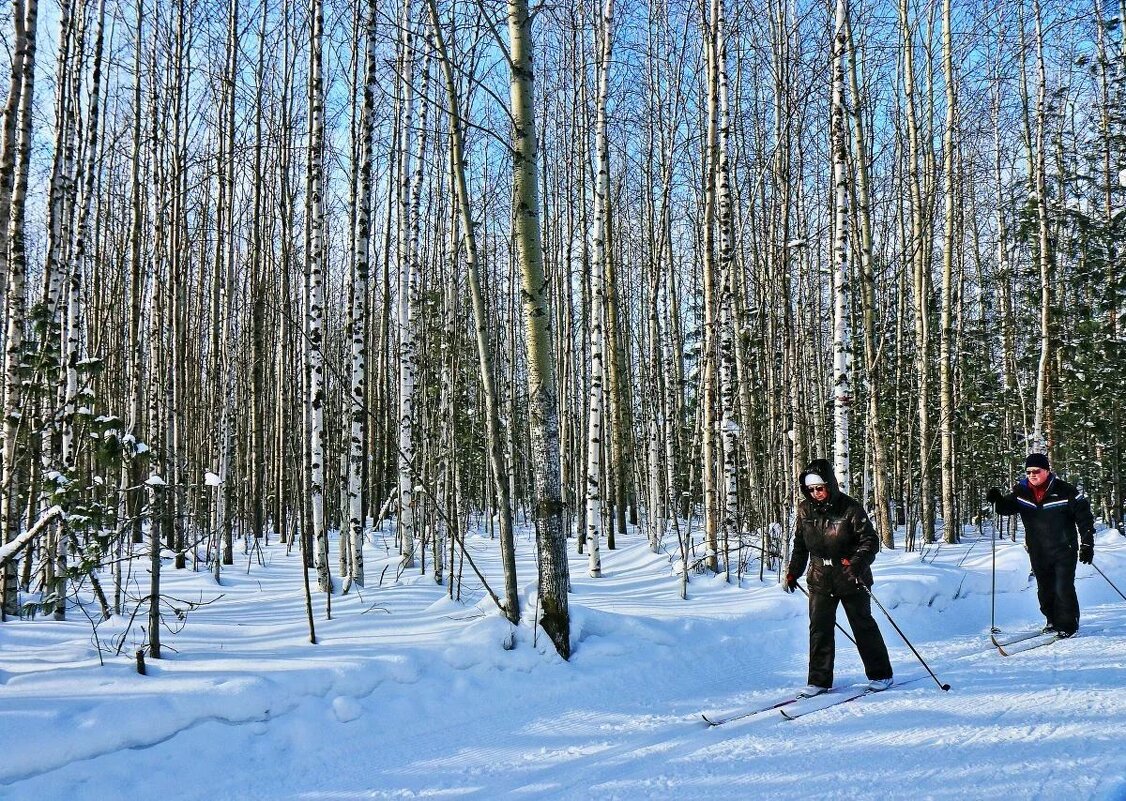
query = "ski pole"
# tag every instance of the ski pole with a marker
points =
(993, 585)
(1101, 573)
(835, 623)
(904, 636)
(992, 589)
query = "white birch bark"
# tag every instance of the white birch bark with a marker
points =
(131, 470)
(711, 454)
(315, 319)
(1044, 256)
(257, 269)
(58, 213)
(82, 245)
(405, 414)
(881, 500)
(52, 334)
(358, 315)
(408, 290)
(946, 350)
(729, 428)
(842, 370)
(13, 190)
(595, 418)
(542, 402)
(918, 251)
(156, 323)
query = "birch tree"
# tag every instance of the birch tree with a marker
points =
(729, 427)
(358, 311)
(542, 401)
(494, 442)
(14, 165)
(1040, 434)
(709, 446)
(881, 499)
(595, 421)
(315, 258)
(409, 289)
(917, 254)
(946, 333)
(842, 371)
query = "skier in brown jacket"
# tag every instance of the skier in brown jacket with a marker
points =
(834, 535)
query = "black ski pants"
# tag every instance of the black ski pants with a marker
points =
(1055, 589)
(869, 640)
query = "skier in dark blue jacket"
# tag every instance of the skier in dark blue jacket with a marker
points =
(1054, 512)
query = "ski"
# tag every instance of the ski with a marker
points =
(1027, 644)
(1001, 640)
(825, 701)
(739, 714)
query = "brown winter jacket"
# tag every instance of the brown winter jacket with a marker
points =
(827, 532)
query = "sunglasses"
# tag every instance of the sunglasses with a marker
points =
(818, 488)
(1034, 471)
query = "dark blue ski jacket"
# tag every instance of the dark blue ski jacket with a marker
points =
(1050, 527)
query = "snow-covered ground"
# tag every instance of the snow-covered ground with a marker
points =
(411, 695)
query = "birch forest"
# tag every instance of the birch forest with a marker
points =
(280, 271)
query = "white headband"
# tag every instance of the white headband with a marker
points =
(813, 479)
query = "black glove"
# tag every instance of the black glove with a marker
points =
(994, 495)
(790, 583)
(1086, 553)
(852, 569)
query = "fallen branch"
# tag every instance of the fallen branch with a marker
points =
(11, 550)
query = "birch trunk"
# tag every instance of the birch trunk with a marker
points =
(408, 290)
(842, 370)
(710, 455)
(595, 427)
(918, 257)
(13, 191)
(358, 314)
(494, 441)
(61, 192)
(946, 334)
(132, 469)
(82, 247)
(315, 220)
(259, 358)
(729, 428)
(542, 402)
(873, 360)
(1041, 436)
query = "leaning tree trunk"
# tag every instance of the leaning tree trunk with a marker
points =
(494, 442)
